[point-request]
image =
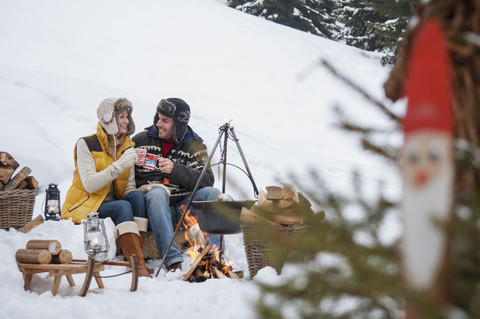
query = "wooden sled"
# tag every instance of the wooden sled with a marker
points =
(77, 266)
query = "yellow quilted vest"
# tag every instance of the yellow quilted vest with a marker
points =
(78, 202)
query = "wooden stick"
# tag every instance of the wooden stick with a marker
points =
(33, 256)
(32, 224)
(88, 277)
(196, 262)
(134, 268)
(51, 245)
(17, 179)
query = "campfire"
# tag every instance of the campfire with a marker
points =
(206, 260)
(206, 266)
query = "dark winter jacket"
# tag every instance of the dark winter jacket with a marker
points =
(189, 157)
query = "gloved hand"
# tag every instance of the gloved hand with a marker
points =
(127, 160)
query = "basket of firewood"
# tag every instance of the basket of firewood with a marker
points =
(280, 213)
(17, 193)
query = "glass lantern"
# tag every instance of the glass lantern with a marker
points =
(95, 238)
(52, 203)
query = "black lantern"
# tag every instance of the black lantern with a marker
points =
(52, 203)
(95, 238)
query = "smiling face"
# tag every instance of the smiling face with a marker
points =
(164, 126)
(122, 123)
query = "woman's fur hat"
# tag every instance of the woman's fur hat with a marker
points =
(108, 111)
(179, 111)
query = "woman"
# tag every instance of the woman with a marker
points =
(105, 182)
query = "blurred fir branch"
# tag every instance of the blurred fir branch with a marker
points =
(339, 267)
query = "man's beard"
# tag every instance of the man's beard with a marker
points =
(425, 210)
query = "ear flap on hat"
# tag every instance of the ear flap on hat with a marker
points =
(107, 117)
(105, 114)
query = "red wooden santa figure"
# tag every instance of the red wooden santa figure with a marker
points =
(427, 163)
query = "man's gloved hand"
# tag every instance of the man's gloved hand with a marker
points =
(127, 160)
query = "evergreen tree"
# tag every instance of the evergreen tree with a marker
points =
(375, 25)
(397, 14)
(343, 266)
(313, 16)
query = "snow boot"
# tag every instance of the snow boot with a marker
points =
(127, 232)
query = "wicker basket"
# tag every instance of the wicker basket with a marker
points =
(257, 251)
(16, 207)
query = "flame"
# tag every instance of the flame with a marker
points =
(197, 243)
(165, 181)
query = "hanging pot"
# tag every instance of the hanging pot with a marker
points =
(220, 217)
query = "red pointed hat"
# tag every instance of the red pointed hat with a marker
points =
(428, 86)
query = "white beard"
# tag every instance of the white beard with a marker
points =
(424, 241)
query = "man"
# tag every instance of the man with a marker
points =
(174, 161)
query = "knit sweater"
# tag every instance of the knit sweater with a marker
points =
(189, 158)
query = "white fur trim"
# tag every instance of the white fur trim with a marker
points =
(142, 223)
(127, 227)
(147, 187)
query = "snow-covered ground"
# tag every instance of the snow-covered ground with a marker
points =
(59, 59)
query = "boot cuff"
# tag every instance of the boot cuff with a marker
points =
(127, 227)
(142, 223)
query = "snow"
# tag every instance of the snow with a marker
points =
(59, 59)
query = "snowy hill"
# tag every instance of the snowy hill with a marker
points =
(59, 59)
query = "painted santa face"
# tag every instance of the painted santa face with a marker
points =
(427, 168)
(424, 155)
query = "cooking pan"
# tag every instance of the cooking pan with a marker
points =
(220, 217)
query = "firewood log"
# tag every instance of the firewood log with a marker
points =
(63, 257)
(274, 192)
(289, 192)
(51, 245)
(6, 173)
(196, 262)
(7, 159)
(232, 275)
(17, 179)
(33, 256)
(218, 273)
(22, 185)
(31, 182)
(32, 224)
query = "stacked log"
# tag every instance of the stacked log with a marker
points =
(283, 205)
(9, 181)
(43, 251)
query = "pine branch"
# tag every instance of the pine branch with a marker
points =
(376, 102)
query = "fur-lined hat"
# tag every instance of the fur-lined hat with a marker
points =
(179, 111)
(108, 111)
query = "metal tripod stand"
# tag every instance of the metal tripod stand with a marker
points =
(224, 130)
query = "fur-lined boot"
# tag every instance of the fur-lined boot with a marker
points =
(128, 235)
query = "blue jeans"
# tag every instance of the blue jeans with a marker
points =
(163, 219)
(123, 210)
